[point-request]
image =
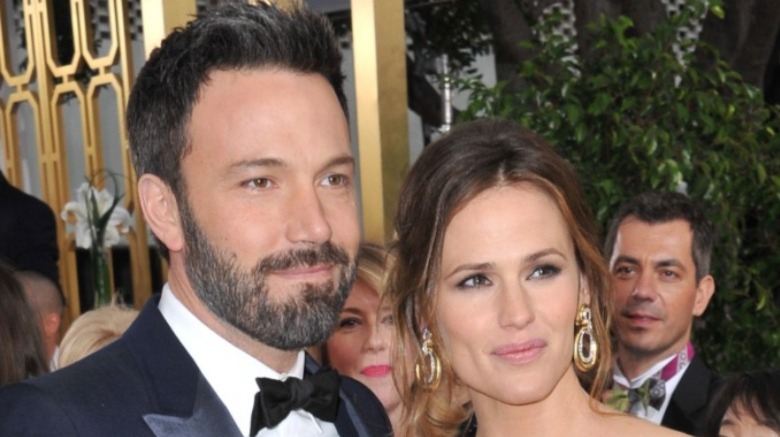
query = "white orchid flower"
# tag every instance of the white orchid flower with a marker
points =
(77, 211)
(119, 223)
(87, 222)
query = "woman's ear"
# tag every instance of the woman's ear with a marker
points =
(584, 295)
(161, 211)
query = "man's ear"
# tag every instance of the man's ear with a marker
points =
(161, 211)
(704, 291)
(51, 325)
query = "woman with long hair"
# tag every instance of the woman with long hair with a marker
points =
(500, 283)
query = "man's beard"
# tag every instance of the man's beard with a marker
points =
(241, 298)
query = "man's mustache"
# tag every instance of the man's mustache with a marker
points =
(326, 253)
(644, 309)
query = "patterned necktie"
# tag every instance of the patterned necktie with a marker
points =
(318, 394)
(650, 394)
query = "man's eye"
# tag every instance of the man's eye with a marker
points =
(259, 183)
(669, 274)
(474, 281)
(622, 271)
(336, 180)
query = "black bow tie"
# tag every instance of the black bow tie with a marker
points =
(318, 394)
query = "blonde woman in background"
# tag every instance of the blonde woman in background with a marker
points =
(94, 330)
(500, 279)
(361, 345)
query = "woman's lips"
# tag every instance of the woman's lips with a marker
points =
(376, 371)
(521, 353)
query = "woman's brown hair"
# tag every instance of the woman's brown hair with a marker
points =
(474, 157)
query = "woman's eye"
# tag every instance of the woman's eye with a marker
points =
(474, 281)
(388, 320)
(348, 323)
(544, 271)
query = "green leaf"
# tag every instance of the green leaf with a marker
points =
(682, 111)
(573, 112)
(761, 304)
(718, 12)
(653, 146)
(761, 170)
(580, 131)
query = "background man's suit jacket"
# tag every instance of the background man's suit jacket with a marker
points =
(146, 384)
(28, 232)
(687, 411)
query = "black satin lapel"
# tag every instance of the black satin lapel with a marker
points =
(209, 418)
(688, 407)
(347, 419)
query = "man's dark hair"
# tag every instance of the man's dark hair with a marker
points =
(664, 206)
(232, 36)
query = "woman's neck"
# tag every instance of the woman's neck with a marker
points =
(396, 420)
(541, 418)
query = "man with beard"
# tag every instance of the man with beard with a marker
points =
(659, 246)
(238, 132)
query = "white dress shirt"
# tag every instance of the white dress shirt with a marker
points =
(231, 372)
(670, 385)
(54, 364)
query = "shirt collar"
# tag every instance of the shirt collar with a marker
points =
(621, 379)
(235, 388)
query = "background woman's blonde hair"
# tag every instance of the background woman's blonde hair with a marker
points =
(94, 330)
(372, 266)
(452, 171)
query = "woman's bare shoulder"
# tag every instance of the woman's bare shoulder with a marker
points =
(619, 424)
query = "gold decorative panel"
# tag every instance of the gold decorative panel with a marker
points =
(43, 87)
(379, 42)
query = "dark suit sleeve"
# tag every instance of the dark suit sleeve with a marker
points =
(26, 411)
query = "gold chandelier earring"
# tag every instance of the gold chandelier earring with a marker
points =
(586, 350)
(427, 369)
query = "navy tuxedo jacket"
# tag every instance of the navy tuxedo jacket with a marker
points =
(146, 384)
(687, 410)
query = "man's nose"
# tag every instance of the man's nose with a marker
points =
(644, 287)
(307, 221)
